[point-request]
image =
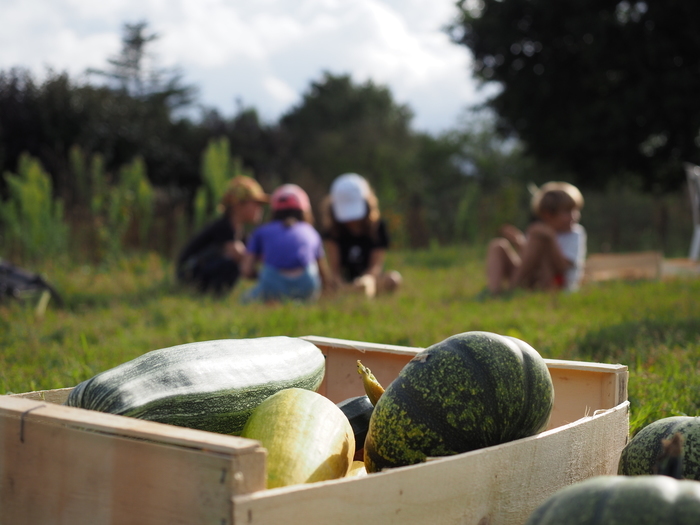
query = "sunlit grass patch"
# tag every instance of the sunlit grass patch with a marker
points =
(116, 312)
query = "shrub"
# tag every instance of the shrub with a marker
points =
(31, 219)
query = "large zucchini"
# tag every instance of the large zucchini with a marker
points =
(210, 385)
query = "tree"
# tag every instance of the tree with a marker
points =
(136, 73)
(253, 142)
(134, 114)
(604, 89)
(343, 127)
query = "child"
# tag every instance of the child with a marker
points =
(551, 255)
(289, 248)
(356, 238)
(210, 260)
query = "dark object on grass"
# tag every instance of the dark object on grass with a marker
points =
(18, 283)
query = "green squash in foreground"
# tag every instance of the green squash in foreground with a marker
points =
(641, 454)
(210, 385)
(470, 391)
(622, 500)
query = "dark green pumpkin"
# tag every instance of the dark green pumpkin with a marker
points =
(622, 500)
(641, 454)
(208, 385)
(358, 410)
(470, 391)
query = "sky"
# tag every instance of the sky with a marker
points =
(261, 53)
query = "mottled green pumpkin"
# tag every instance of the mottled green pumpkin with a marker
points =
(470, 391)
(641, 454)
(622, 500)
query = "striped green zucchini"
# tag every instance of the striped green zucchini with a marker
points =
(210, 385)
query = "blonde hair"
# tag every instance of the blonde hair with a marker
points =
(553, 197)
(239, 189)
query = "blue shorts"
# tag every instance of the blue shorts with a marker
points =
(275, 286)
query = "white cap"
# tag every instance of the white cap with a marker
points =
(349, 194)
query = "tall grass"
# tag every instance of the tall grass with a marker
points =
(115, 313)
(218, 168)
(31, 220)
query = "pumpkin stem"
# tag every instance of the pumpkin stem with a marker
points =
(670, 461)
(372, 387)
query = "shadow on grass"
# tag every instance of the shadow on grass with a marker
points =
(637, 341)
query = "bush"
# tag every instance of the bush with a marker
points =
(31, 219)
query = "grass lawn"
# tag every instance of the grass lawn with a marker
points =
(119, 312)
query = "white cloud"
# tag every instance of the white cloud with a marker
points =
(263, 51)
(282, 92)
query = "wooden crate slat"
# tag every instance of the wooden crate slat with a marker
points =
(499, 485)
(61, 465)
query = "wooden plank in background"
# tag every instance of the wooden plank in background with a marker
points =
(638, 265)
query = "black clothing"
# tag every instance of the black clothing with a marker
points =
(355, 250)
(202, 260)
(18, 283)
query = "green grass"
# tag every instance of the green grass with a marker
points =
(119, 312)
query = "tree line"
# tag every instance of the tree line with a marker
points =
(452, 187)
(338, 126)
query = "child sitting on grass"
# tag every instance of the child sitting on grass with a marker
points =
(356, 238)
(552, 252)
(211, 259)
(289, 248)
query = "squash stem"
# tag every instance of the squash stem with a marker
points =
(670, 461)
(373, 389)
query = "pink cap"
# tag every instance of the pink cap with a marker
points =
(290, 197)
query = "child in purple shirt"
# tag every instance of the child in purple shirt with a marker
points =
(289, 249)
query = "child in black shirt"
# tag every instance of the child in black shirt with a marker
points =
(356, 238)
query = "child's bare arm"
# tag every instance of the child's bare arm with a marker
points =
(514, 236)
(561, 263)
(248, 265)
(234, 250)
(376, 262)
(333, 263)
(327, 279)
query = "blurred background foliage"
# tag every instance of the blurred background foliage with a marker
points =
(605, 90)
(605, 96)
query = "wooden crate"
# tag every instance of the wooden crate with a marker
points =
(680, 267)
(65, 465)
(637, 265)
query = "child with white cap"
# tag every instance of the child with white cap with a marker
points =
(289, 249)
(356, 237)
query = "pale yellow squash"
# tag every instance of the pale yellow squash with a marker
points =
(357, 469)
(307, 437)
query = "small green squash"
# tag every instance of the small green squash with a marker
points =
(641, 455)
(307, 437)
(471, 390)
(210, 385)
(622, 500)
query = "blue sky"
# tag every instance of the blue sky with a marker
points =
(264, 52)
